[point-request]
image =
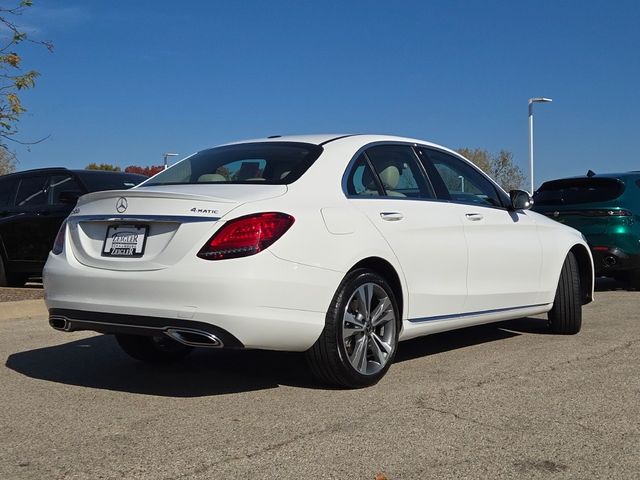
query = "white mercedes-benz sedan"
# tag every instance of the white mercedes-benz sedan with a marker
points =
(339, 246)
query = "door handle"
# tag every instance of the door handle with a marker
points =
(474, 217)
(391, 216)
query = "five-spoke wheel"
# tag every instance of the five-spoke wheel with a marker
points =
(360, 336)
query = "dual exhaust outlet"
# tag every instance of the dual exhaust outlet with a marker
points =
(186, 336)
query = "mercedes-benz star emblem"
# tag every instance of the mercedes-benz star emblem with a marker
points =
(121, 205)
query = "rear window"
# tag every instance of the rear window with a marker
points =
(97, 181)
(268, 163)
(578, 190)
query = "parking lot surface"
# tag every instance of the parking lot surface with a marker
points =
(497, 401)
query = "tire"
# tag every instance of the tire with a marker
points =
(634, 279)
(565, 318)
(153, 349)
(358, 342)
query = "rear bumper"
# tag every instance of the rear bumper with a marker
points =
(254, 302)
(78, 320)
(613, 260)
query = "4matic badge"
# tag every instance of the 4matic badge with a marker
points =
(203, 210)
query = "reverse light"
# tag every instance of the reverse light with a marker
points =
(246, 236)
(58, 244)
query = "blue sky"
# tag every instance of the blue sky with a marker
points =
(130, 80)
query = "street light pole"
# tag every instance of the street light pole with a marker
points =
(531, 102)
(166, 155)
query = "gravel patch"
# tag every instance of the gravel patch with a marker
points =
(33, 291)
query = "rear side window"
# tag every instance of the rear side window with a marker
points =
(97, 181)
(32, 191)
(398, 170)
(7, 191)
(362, 181)
(266, 163)
(62, 185)
(578, 190)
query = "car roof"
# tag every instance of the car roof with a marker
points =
(63, 169)
(323, 139)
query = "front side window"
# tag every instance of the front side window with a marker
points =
(266, 163)
(32, 191)
(462, 182)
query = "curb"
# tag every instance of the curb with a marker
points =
(22, 309)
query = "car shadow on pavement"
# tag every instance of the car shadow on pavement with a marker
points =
(98, 362)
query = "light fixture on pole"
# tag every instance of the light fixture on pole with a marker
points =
(531, 102)
(166, 155)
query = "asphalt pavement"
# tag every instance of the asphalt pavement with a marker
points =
(497, 401)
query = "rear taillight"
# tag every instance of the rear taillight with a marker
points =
(619, 213)
(58, 244)
(246, 236)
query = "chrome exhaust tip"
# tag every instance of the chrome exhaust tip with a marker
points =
(610, 261)
(60, 323)
(194, 338)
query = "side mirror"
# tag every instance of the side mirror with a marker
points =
(520, 200)
(69, 197)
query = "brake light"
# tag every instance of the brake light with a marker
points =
(58, 244)
(246, 236)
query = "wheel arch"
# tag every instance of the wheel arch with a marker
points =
(585, 266)
(389, 273)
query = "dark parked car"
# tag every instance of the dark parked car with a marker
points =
(33, 205)
(606, 209)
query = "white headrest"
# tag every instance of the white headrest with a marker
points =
(390, 177)
(212, 177)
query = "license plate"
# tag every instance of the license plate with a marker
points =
(125, 241)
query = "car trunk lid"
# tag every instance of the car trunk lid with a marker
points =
(151, 228)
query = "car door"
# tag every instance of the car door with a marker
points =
(62, 194)
(387, 183)
(505, 252)
(7, 195)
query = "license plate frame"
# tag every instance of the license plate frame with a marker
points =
(126, 247)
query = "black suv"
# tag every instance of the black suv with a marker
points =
(33, 205)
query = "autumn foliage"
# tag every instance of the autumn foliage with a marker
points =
(147, 171)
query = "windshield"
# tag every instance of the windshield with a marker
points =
(268, 163)
(578, 190)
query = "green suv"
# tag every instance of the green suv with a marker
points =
(606, 209)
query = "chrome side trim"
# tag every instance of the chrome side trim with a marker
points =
(142, 218)
(440, 318)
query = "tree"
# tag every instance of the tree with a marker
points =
(103, 166)
(13, 78)
(7, 162)
(499, 166)
(147, 171)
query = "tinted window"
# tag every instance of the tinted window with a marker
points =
(32, 191)
(63, 184)
(578, 190)
(398, 171)
(7, 191)
(462, 182)
(97, 181)
(268, 163)
(361, 180)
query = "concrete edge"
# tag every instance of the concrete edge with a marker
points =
(22, 309)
